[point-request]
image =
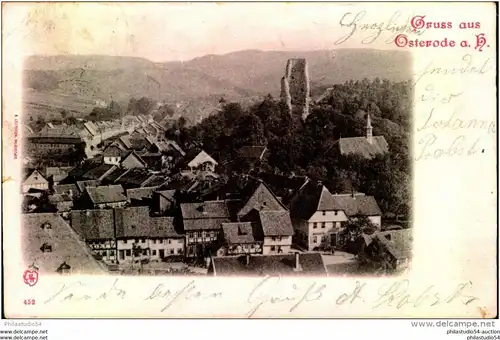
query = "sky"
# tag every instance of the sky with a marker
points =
(182, 31)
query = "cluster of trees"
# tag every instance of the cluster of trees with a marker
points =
(310, 148)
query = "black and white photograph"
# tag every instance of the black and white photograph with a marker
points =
(214, 140)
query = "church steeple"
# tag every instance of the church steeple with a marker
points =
(369, 134)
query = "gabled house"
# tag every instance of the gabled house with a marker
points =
(132, 161)
(202, 225)
(319, 217)
(260, 206)
(239, 238)
(112, 155)
(390, 249)
(307, 264)
(34, 180)
(196, 160)
(256, 195)
(49, 242)
(277, 231)
(110, 196)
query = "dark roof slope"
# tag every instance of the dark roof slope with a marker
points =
(306, 203)
(238, 232)
(262, 265)
(361, 147)
(276, 223)
(357, 205)
(257, 195)
(93, 224)
(205, 210)
(67, 246)
(106, 194)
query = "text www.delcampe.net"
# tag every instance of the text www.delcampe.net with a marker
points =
(23, 334)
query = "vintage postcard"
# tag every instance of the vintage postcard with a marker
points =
(263, 160)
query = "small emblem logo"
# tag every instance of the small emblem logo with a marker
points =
(30, 276)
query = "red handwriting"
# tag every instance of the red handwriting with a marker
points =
(30, 302)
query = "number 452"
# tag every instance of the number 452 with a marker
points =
(29, 301)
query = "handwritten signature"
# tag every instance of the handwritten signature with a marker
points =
(274, 291)
(188, 292)
(70, 293)
(264, 293)
(354, 22)
(469, 65)
(396, 295)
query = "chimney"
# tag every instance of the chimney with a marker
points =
(369, 129)
(247, 258)
(297, 266)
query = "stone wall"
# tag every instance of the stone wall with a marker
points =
(295, 89)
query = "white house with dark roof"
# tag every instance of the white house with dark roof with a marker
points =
(277, 232)
(197, 160)
(319, 217)
(112, 155)
(34, 180)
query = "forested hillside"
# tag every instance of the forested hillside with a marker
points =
(310, 148)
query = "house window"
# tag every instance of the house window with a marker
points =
(252, 246)
(171, 252)
(128, 252)
(323, 225)
(137, 240)
(336, 212)
(125, 241)
(145, 252)
(143, 241)
(160, 241)
(179, 250)
(154, 252)
(273, 248)
(324, 213)
(169, 241)
(111, 253)
(46, 248)
(46, 226)
(273, 238)
(154, 241)
(315, 225)
(315, 239)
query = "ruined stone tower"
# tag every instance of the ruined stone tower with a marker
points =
(295, 89)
